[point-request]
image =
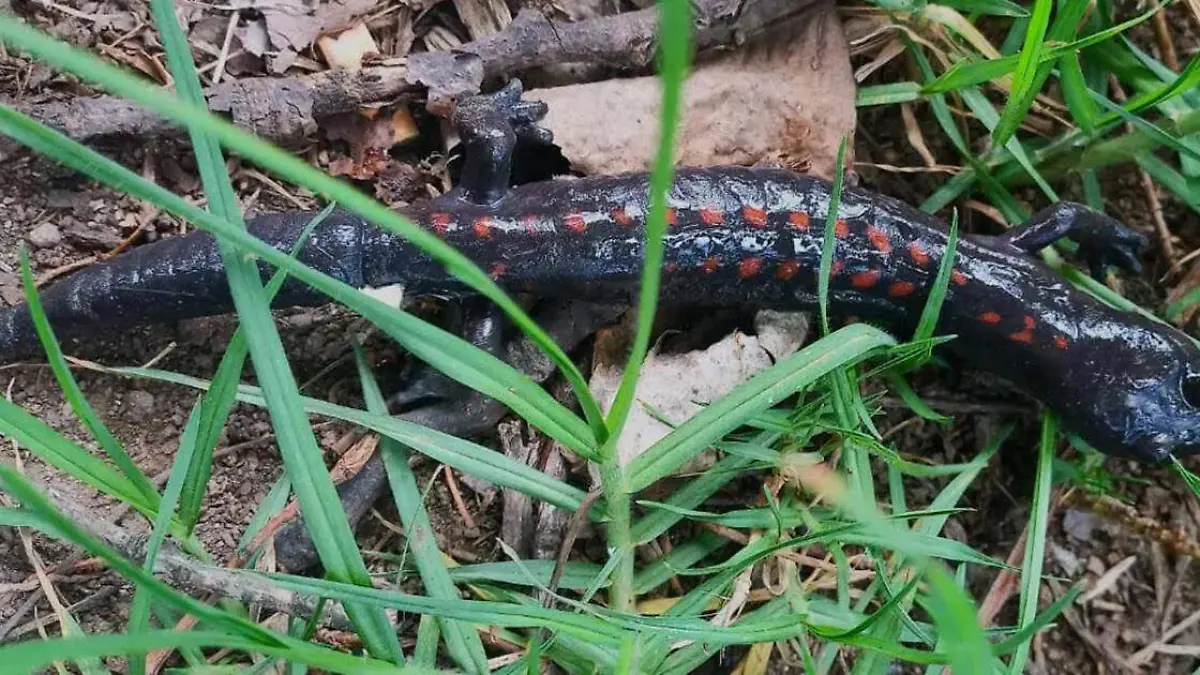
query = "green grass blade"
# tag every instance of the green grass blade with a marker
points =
(465, 456)
(1025, 77)
(139, 612)
(954, 614)
(674, 51)
(846, 346)
(218, 400)
(74, 395)
(887, 94)
(303, 459)
(1035, 541)
(973, 73)
(986, 112)
(829, 243)
(253, 636)
(56, 450)
(116, 81)
(927, 324)
(1076, 93)
(447, 352)
(462, 642)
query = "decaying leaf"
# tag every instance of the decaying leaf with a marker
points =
(346, 50)
(291, 26)
(370, 135)
(675, 387)
(786, 98)
(483, 17)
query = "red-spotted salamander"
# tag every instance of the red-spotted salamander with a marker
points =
(738, 236)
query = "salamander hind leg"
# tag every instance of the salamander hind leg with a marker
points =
(1103, 241)
(489, 126)
(476, 320)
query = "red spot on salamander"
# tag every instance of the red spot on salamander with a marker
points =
(671, 268)
(711, 265)
(498, 270)
(918, 254)
(989, 317)
(672, 217)
(754, 216)
(621, 218)
(901, 289)
(749, 267)
(530, 222)
(865, 280)
(799, 220)
(958, 277)
(483, 227)
(1060, 341)
(1025, 335)
(841, 229)
(879, 239)
(575, 223)
(787, 270)
(711, 216)
(439, 221)
(836, 268)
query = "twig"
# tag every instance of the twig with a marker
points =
(456, 496)
(1162, 33)
(90, 601)
(195, 578)
(285, 110)
(578, 520)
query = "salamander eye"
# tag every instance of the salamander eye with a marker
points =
(1190, 387)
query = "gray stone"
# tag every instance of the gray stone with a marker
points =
(45, 235)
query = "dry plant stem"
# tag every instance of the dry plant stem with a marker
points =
(196, 578)
(285, 110)
(1162, 33)
(1156, 215)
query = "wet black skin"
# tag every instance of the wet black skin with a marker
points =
(1123, 383)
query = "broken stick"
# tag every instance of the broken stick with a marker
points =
(285, 110)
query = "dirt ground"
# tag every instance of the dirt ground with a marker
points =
(1146, 586)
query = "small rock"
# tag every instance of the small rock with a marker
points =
(10, 289)
(92, 237)
(1067, 560)
(140, 402)
(45, 235)
(1080, 524)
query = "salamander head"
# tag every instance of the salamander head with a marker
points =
(1160, 402)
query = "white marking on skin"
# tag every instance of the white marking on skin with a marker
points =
(538, 225)
(392, 295)
(752, 243)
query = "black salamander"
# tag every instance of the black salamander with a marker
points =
(738, 236)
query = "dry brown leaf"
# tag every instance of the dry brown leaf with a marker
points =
(786, 98)
(346, 50)
(677, 386)
(291, 26)
(483, 17)
(370, 136)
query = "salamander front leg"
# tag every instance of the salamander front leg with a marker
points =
(1102, 240)
(489, 126)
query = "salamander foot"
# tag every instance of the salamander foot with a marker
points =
(489, 125)
(1103, 241)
